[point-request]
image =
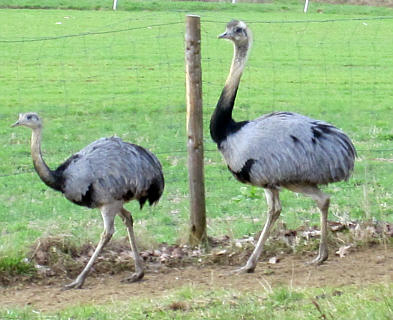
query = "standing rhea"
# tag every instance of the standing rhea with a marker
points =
(106, 174)
(278, 150)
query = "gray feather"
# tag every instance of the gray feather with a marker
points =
(113, 169)
(290, 148)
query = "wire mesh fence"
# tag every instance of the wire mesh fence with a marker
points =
(93, 75)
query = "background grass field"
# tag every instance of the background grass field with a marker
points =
(94, 73)
(101, 73)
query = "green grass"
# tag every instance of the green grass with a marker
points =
(94, 73)
(14, 266)
(165, 5)
(351, 302)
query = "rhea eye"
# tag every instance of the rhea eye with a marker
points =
(238, 30)
(29, 117)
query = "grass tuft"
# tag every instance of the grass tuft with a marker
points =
(12, 268)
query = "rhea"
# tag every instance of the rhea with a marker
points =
(105, 175)
(278, 150)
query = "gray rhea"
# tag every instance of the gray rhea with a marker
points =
(278, 150)
(105, 174)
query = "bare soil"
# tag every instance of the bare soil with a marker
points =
(360, 266)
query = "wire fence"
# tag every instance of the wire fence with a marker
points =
(127, 78)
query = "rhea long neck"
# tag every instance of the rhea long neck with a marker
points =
(40, 166)
(221, 122)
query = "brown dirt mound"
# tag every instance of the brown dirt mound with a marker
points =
(56, 256)
(59, 257)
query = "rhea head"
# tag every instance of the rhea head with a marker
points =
(238, 32)
(29, 119)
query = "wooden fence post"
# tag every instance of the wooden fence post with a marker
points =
(195, 130)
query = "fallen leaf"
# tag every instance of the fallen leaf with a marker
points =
(274, 260)
(311, 234)
(290, 233)
(156, 253)
(178, 305)
(337, 293)
(164, 257)
(221, 252)
(336, 226)
(343, 250)
(389, 229)
(177, 253)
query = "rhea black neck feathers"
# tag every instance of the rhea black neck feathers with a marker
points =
(222, 123)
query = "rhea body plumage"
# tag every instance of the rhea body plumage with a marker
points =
(105, 175)
(278, 150)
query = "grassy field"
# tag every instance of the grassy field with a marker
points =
(101, 73)
(95, 73)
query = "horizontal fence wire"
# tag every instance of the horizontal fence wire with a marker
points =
(90, 33)
(309, 21)
(93, 33)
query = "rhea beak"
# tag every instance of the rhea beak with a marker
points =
(224, 35)
(15, 124)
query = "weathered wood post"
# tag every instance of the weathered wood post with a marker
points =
(195, 130)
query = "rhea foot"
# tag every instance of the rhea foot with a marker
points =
(322, 256)
(74, 285)
(137, 276)
(244, 269)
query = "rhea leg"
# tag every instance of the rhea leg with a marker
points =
(108, 215)
(128, 221)
(322, 200)
(274, 205)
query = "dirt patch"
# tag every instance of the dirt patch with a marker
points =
(363, 266)
(360, 253)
